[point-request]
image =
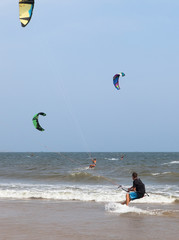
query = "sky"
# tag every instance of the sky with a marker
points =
(62, 63)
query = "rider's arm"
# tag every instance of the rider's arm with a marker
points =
(131, 189)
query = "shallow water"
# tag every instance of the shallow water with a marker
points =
(40, 219)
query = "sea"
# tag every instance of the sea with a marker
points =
(54, 176)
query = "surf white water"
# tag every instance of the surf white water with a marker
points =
(117, 208)
(172, 162)
(123, 209)
(97, 193)
(112, 159)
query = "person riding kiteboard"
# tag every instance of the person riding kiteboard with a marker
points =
(136, 191)
(93, 165)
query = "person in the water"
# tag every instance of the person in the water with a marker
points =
(93, 165)
(136, 191)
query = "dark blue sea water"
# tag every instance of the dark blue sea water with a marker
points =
(66, 176)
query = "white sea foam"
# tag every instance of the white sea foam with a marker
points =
(156, 198)
(77, 192)
(82, 169)
(175, 162)
(123, 209)
(61, 194)
(163, 173)
(169, 163)
(112, 159)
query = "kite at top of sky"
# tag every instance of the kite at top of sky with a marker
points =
(36, 121)
(25, 11)
(116, 79)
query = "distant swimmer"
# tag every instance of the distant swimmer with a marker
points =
(93, 165)
(122, 157)
(136, 191)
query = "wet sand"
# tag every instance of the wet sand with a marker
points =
(52, 220)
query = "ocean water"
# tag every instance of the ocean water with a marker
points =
(66, 176)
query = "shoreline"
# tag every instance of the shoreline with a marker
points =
(67, 220)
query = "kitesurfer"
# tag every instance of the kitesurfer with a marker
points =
(93, 165)
(136, 191)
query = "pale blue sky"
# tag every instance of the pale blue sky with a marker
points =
(63, 62)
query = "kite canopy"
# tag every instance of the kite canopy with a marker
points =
(116, 79)
(36, 122)
(25, 11)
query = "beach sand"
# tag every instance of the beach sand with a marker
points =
(52, 220)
